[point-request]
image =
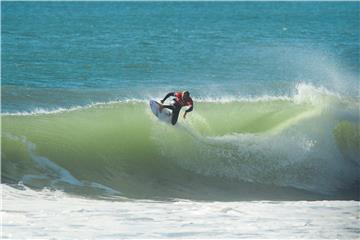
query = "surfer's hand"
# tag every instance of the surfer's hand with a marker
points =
(162, 101)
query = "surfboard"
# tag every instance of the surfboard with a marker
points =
(164, 115)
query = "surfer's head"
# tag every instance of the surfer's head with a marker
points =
(185, 95)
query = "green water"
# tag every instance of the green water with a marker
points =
(125, 147)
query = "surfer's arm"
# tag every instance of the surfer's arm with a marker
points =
(188, 110)
(168, 95)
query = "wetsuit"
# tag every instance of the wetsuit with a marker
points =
(178, 103)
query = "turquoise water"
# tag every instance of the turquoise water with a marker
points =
(275, 86)
(64, 54)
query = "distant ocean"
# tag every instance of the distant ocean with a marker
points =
(271, 150)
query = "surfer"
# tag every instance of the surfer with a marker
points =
(181, 99)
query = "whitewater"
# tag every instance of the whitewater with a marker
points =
(46, 214)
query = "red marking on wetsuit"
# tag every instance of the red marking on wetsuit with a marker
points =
(180, 100)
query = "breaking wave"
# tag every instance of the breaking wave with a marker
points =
(270, 147)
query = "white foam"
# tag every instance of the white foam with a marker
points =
(28, 214)
(308, 93)
(230, 99)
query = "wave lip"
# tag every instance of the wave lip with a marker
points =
(42, 111)
(305, 93)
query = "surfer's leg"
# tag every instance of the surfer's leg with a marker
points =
(175, 115)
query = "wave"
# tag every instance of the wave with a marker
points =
(305, 146)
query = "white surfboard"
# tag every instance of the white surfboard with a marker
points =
(164, 115)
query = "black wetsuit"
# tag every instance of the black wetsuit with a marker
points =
(175, 107)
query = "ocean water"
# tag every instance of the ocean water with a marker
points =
(271, 149)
